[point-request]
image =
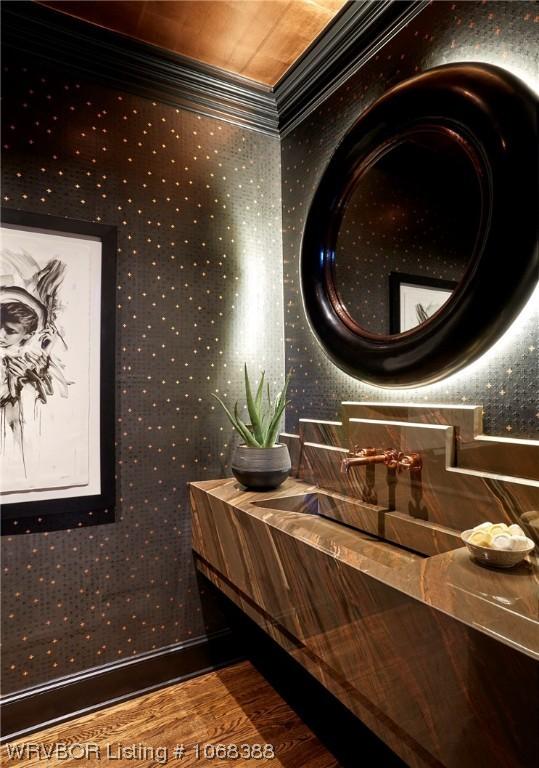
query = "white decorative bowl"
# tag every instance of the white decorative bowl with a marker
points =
(499, 558)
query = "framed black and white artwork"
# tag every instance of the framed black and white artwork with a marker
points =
(57, 312)
(414, 298)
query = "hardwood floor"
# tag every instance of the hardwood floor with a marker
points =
(233, 706)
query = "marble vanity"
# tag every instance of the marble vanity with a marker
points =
(437, 655)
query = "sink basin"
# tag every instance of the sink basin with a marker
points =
(367, 519)
(358, 514)
(305, 502)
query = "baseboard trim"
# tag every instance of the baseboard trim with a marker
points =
(32, 710)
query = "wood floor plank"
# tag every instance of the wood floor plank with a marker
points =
(234, 705)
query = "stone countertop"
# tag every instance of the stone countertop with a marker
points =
(503, 604)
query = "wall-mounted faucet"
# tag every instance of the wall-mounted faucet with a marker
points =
(368, 457)
(364, 456)
(391, 458)
(395, 462)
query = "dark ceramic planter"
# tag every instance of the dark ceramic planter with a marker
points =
(261, 469)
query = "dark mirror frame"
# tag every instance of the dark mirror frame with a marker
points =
(493, 115)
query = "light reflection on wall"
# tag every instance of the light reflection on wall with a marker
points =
(503, 380)
(527, 71)
(529, 316)
(257, 306)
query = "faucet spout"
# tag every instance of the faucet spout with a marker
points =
(364, 456)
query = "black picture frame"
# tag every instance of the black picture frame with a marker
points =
(54, 514)
(492, 115)
(397, 280)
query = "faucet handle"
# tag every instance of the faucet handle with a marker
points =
(392, 458)
(399, 461)
(412, 461)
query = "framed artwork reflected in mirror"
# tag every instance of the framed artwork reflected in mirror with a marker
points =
(414, 298)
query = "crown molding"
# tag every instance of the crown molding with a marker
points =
(120, 62)
(358, 32)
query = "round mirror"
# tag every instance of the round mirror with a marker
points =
(408, 232)
(420, 245)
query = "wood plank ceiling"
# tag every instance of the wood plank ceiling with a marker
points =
(258, 39)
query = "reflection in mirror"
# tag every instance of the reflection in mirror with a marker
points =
(414, 213)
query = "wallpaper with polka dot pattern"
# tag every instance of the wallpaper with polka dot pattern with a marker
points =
(199, 290)
(505, 380)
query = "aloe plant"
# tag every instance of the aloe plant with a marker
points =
(264, 414)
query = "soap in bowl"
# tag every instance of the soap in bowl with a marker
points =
(499, 558)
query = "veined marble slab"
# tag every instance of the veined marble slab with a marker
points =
(467, 478)
(437, 655)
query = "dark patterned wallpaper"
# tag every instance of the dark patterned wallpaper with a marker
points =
(199, 290)
(505, 380)
(197, 206)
